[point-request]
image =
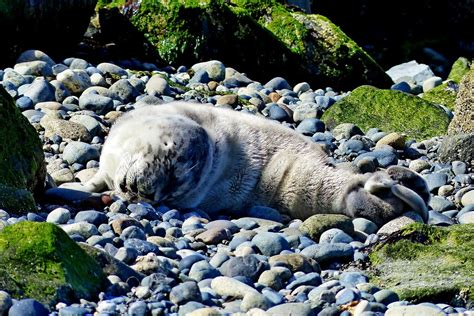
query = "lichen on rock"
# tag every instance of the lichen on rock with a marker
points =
(389, 110)
(40, 261)
(427, 263)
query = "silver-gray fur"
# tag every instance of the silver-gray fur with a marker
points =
(189, 155)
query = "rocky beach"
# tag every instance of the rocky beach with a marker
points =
(67, 253)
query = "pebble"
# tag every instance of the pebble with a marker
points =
(80, 152)
(275, 112)
(96, 102)
(277, 83)
(364, 225)
(346, 296)
(312, 279)
(384, 157)
(258, 264)
(185, 292)
(327, 252)
(65, 129)
(395, 140)
(143, 247)
(386, 297)
(299, 309)
(435, 180)
(440, 204)
(335, 235)
(5, 302)
(309, 126)
(352, 279)
(214, 69)
(157, 85)
(468, 198)
(398, 223)
(203, 270)
(295, 262)
(83, 229)
(73, 311)
(249, 266)
(230, 287)
(111, 69)
(40, 90)
(76, 81)
(59, 215)
(419, 310)
(28, 306)
(270, 244)
(466, 218)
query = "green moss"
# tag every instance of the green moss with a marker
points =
(40, 261)
(427, 263)
(21, 157)
(442, 94)
(102, 4)
(262, 38)
(284, 26)
(390, 110)
(459, 69)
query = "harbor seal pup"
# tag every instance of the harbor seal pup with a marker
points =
(190, 155)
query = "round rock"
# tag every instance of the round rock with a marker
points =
(28, 307)
(270, 244)
(79, 152)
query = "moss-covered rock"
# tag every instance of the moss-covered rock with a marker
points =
(446, 93)
(427, 263)
(317, 224)
(42, 25)
(389, 110)
(22, 169)
(40, 261)
(263, 38)
(459, 69)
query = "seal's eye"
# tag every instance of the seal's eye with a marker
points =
(133, 186)
(123, 187)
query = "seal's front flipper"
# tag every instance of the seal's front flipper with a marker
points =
(96, 184)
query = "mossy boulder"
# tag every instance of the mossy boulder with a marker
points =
(389, 110)
(427, 263)
(40, 261)
(22, 168)
(262, 38)
(48, 25)
(446, 93)
(459, 144)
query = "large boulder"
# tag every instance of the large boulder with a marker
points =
(40, 261)
(53, 26)
(427, 263)
(463, 122)
(459, 144)
(389, 110)
(22, 168)
(265, 39)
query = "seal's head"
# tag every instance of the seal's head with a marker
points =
(162, 159)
